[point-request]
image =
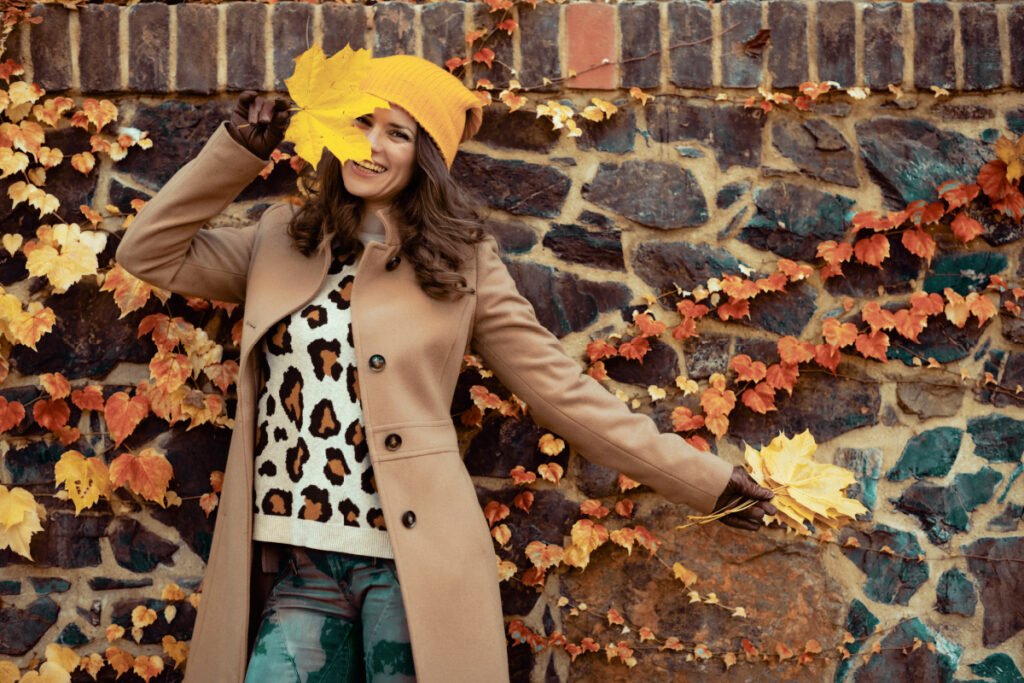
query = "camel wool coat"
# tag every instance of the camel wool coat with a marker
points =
(443, 550)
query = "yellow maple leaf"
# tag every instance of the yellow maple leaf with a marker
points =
(64, 657)
(19, 519)
(49, 672)
(84, 479)
(328, 93)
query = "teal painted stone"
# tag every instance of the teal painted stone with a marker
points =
(964, 273)
(791, 220)
(860, 623)
(898, 661)
(945, 510)
(689, 152)
(997, 438)
(1015, 121)
(956, 594)
(72, 636)
(990, 135)
(731, 193)
(996, 565)
(890, 578)
(47, 585)
(999, 668)
(928, 454)
(866, 465)
(10, 587)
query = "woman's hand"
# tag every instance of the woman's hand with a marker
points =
(742, 486)
(258, 123)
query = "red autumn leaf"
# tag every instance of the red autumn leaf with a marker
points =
(919, 243)
(926, 304)
(760, 399)
(739, 288)
(625, 483)
(483, 398)
(484, 55)
(922, 213)
(683, 419)
(794, 351)
(877, 317)
(870, 220)
(957, 194)
(56, 385)
(734, 309)
(600, 348)
(687, 329)
(835, 252)
(698, 442)
(524, 501)
(873, 345)
(827, 356)
(783, 652)
(749, 649)
(494, 512)
(776, 282)
(966, 228)
(690, 309)
(455, 62)
(1012, 204)
(992, 179)
(635, 349)
(509, 26)
(795, 271)
(624, 508)
(147, 474)
(649, 327)
(838, 334)
(909, 323)
(747, 369)
(521, 476)
(594, 508)
(615, 618)
(123, 415)
(11, 414)
(782, 376)
(88, 398)
(51, 414)
(872, 250)
(646, 539)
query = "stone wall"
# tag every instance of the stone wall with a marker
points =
(689, 186)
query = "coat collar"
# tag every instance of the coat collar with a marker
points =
(391, 220)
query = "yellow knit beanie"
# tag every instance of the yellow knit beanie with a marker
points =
(441, 105)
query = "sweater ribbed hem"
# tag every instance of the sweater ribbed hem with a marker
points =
(322, 536)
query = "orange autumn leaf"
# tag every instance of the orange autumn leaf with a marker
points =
(544, 555)
(615, 618)
(782, 376)
(550, 445)
(957, 308)
(484, 55)
(793, 351)
(494, 512)
(760, 399)
(11, 414)
(594, 508)
(51, 414)
(698, 442)
(55, 384)
(1012, 204)
(635, 349)
(909, 323)
(600, 348)
(146, 474)
(208, 502)
(835, 253)
(993, 181)
(175, 649)
(624, 508)
(119, 660)
(739, 288)
(524, 501)
(686, 329)
(981, 307)
(838, 334)
(588, 535)
(690, 309)
(551, 471)
(776, 282)
(877, 317)
(923, 213)
(734, 309)
(130, 293)
(648, 326)
(958, 194)
(484, 398)
(926, 304)
(147, 667)
(223, 375)
(873, 345)
(521, 476)
(123, 414)
(872, 250)
(683, 419)
(717, 424)
(598, 371)
(170, 370)
(747, 369)
(827, 356)
(966, 228)
(626, 484)
(919, 243)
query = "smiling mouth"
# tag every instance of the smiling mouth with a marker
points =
(370, 167)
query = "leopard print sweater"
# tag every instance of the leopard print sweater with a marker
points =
(314, 484)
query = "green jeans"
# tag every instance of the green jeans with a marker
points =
(333, 618)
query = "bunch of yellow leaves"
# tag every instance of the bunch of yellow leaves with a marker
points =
(64, 254)
(19, 519)
(328, 93)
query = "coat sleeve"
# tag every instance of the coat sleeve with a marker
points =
(529, 360)
(169, 243)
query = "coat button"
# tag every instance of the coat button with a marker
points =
(393, 263)
(409, 519)
(377, 362)
(392, 442)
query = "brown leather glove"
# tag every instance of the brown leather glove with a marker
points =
(258, 123)
(742, 486)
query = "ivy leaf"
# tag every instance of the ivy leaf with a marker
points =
(11, 414)
(62, 262)
(793, 351)
(123, 415)
(838, 334)
(873, 345)
(88, 398)
(747, 369)
(19, 520)
(872, 250)
(51, 414)
(49, 672)
(966, 228)
(147, 474)
(130, 293)
(760, 399)
(687, 577)
(919, 243)
(84, 479)
(782, 376)
(544, 555)
(147, 667)
(588, 535)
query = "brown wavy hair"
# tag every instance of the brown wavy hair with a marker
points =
(439, 219)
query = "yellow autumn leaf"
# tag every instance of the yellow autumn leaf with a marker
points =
(19, 519)
(84, 479)
(328, 93)
(550, 445)
(62, 256)
(12, 162)
(9, 673)
(175, 649)
(685, 575)
(12, 242)
(64, 657)
(49, 672)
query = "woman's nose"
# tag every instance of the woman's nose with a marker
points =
(374, 136)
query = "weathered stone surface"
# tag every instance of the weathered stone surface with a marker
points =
(1015, 117)
(500, 42)
(905, 156)
(787, 52)
(178, 129)
(706, 355)
(663, 265)
(504, 443)
(940, 340)
(944, 510)
(641, 45)
(517, 130)
(72, 636)
(598, 481)
(860, 623)
(102, 583)
(1008, 519)
(962, 112)
(995, 563)
(539, 29)
(181, 627)
(343, 25)
(99, 62)
(512, 185)
(892, 579)
(614, 135)
(979, 35)
(50, 44)
(999, 668)
(33, 462)
(792, 220)
(68, 541)
(934, 62)
(898, 661)
(785, 312)
(149, 47)
(45, 585)
(997, 438)
(1013, 374)
(826, 405)
(863, 280)
(883, 40)
(929, 399)
(21, 629)
(690, 35)
(10, 587)
(955, 594)
(1015, 21)
(443, 34)
(513, 237)
(637, 190)
(660, 367)
(741, 68)
(292, 27)
(731, 193)
(395, 29)
(817, 148)
(245, 47)
(732, 131)
(928, 454)
(837, 42)
(576, 244)
(138, 549)
(964, 273)
(866, 465)
(197, 69)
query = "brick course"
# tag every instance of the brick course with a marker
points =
(197, 68)
(99, 60)
(149, 47)
(690, 43)
(51, 48)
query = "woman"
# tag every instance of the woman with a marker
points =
(358, 310)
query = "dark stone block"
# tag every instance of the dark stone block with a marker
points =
(997, 438)
(10, 587)
(818, 149)
(524, 130)
(999, 228)
(787, 52)
(995, 563)
(998, 667)
(929, 399)
(891, 579)
(883, 40)
(1013, 374)
(860, 623)
(149, 40)
(866, 465)
(1008, 519)
(934, 61)
(513, 238)
(659, 367)
(1015, 22)
(343, 25)
(197, 69)
(792, 220)
(860, 279)
(99, 62)
(636, 189)
(962, 112)
(663, 265)
(576, 244)
(45, 585)
(614, 135)
(138, 549)
(689, 29)
(940, 340)
(121, 195)
(733, 132)
(928, 454)
(837, 43)
(900, 661)
(395, 27)
(12, 46)
(908, 158)
(292, 25)
(539, 29)
(955, 594)
(50, 43)
(245, 46)
(740, 69)
(731, 193)
(443, 34)
(979, 34)
(512, 185)
(102, 583)
(825, 404)
(33, 463)
(181, 627)
(944, 510)
(641, 45)
(706, 355)
(964, 273)
(500, 73)
(596, 481)
(178, 130)
(72, 636)
(563, 302)
(21, 629)
(785, 312)
(505, 442)
(65, 541)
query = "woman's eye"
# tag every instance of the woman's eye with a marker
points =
(400, 135)
(363, 121)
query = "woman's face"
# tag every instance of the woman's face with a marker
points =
(392, 135)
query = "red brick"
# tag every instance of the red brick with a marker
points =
(591, 35)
